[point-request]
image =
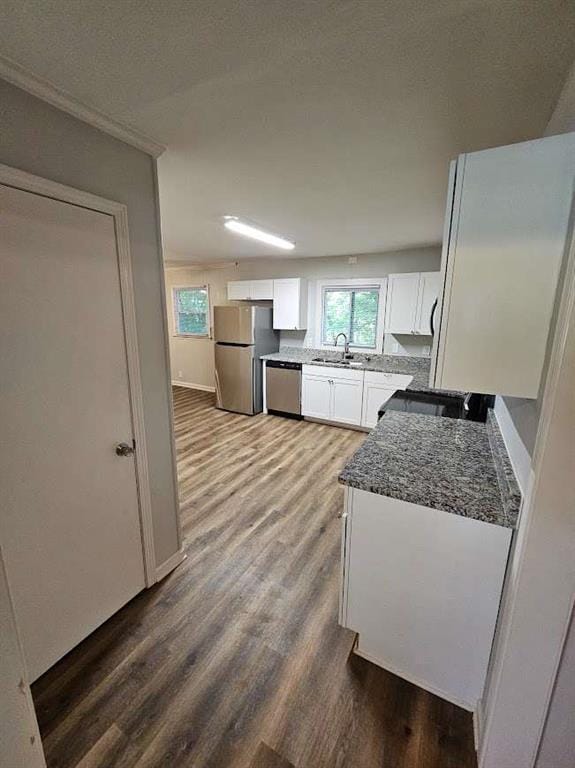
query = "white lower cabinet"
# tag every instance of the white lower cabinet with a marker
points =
(333, 394)
(316, 397)
(347, 396)
(374, 396)
(422, 587)
(377, 389)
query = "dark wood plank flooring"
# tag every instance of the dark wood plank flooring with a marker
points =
(236, 658)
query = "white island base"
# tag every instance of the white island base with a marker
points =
(422, 588)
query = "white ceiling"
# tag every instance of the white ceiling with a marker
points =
(328, 121)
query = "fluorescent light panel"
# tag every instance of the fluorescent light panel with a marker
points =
(248, 230)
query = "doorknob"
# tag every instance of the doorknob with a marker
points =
(123, 449)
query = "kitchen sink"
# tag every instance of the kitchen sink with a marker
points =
(337, 361)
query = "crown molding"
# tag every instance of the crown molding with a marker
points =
(47, 91)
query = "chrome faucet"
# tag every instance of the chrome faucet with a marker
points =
(345, 352)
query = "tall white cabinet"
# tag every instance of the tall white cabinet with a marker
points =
(507, 228)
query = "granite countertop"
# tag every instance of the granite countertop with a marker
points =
(418, 367)
(453, 465)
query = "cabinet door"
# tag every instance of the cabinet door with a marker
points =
(401, 308)
(347, 398)
(316, 397)
(289, 310)
(374, 396)
(428, 292)
(511, 224)
(239, 290)
(262, 289)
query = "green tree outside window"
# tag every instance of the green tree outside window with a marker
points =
(191, 310)
(352, 311)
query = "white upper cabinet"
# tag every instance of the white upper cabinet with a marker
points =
(246, 290)
(410, 298)
(290, 304)
(401, 306)
(506, 232)
(239, 289)
(428, 292)
(262, 289)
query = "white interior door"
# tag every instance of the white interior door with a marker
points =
(70, 523)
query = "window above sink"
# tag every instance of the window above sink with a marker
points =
(353, 306)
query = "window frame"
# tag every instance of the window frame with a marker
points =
(180, 334)
(356, 283)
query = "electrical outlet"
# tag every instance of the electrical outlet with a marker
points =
(180, 375)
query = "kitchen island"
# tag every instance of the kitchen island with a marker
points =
(430, 508)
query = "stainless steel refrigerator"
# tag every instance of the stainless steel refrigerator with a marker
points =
(242, 334)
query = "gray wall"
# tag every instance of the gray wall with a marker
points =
(42, 140)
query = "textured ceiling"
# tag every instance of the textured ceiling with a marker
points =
(330, 122)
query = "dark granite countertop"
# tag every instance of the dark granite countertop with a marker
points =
(453, 465)
(418, 367)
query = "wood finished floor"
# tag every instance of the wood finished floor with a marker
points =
(236, 658)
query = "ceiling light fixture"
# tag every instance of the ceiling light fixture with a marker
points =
(235, 224)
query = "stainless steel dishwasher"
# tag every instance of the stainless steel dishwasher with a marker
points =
(283, 388)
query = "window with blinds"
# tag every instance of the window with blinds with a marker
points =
(192, 311)
(353, 311)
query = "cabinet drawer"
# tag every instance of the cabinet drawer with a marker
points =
(397, 380)
(326, 372)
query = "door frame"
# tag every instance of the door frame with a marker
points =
(13, 177)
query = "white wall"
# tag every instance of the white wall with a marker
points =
(192, 360)
(557, 749)
(44, 141)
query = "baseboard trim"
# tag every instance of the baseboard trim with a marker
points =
(189, 385)
(518, 453)
(477, 725)
(168, 565)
